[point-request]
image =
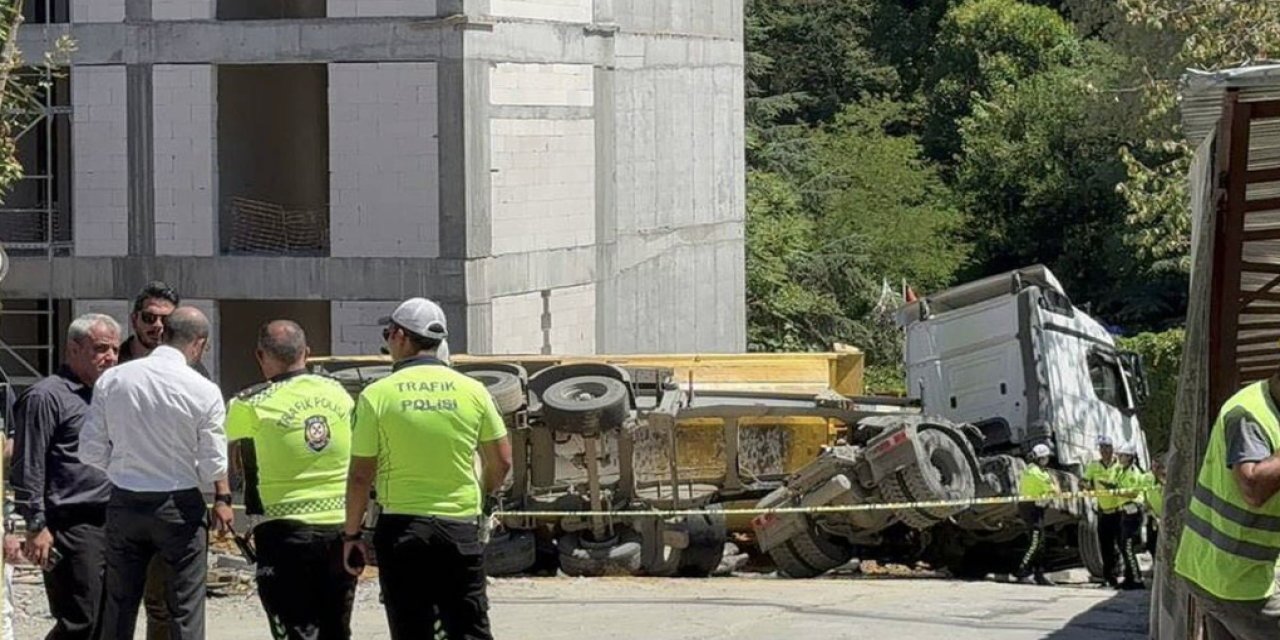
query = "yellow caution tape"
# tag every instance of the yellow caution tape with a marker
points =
(843, 508)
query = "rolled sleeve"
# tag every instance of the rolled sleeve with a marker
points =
(1246, 441)
(242, 420)
(364, 429)
(492, 426)
(36, 417)
(211, 455)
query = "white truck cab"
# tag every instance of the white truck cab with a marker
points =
(1012, 356)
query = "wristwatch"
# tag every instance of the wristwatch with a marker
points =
(224, 498)
(36, 523)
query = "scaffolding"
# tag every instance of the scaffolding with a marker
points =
(35, 223)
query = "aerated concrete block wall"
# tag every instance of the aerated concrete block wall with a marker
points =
(100, 161)
(354, 326)
(560, 10)
(97, 10)
(182, 9)
(184, 137)
(384, 160)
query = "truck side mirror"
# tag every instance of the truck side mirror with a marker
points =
(1137, 374)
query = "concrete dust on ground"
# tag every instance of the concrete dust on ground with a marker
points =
(744, 607)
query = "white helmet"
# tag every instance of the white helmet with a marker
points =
(1041, 451)
(1127, 449)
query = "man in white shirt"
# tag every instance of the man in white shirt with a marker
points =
(156, 428)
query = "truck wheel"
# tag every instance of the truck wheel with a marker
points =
(585, 405)
(707, 535)
(1090, 546)
(941, 473)
(809, 555)
(506, 389)
(581, 557)
(509, 553)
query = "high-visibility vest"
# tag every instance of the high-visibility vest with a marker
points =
(1153, 494)
(1229, 548)
(1103, 477)
(1130, 479)
(1036, 482)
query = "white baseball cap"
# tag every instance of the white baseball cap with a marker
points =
(419, 316)
(1126, 449)
(1103, 440)
(1041, 451)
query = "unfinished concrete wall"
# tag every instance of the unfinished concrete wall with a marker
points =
(273, 147)
(384, 160)
(559, 10)
(182, 9)
(573, 320)
(117, 309)
(100, 161)
(674, 278)
(184, 139)
(381, 8)
(720, 18)
(543, 184)
(518, 324)
(97, 10)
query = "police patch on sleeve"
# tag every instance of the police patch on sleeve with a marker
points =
(316, 431)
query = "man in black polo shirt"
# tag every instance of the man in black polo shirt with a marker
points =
(151, 306)
(64, 501)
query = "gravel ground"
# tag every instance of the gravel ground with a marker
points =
(742, 607)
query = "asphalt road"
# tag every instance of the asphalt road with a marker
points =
(739, 608)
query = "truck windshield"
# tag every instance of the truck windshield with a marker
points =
(1108, 382)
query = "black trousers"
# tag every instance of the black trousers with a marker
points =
(1130, 544)
(74, 585)
(1109, 540)
(1033, 559)
(432, 569)
(141, 525)
(305, 590)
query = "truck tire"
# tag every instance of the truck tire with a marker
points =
(942, 472)
(619, 555)
(585, 405)
(1090, 546)
(707, 535)
(509, 553)
(809, 555)
(506, 389)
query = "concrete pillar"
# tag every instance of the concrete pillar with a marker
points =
(185, 160)
(99, 151)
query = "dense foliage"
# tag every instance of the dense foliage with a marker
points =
(927, 142)
(1161, 357)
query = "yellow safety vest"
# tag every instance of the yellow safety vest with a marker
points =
(1036, 482)
(1229, 548)
(1103, 478)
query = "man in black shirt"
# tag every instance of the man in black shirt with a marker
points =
(151, 306)
(63, 501)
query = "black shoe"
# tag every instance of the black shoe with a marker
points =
(1044, 581)
(1113, 583)
(1132, 585)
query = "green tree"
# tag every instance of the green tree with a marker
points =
(22, 87)
(985, 46)
(1161, 357)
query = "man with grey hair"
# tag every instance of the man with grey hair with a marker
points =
(64, 500)
(156, 428)
(298, 425)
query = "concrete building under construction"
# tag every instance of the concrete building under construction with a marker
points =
(563, 175)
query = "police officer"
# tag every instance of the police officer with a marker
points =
(1036, 482)
(1231, 536)
(1128, 477)
(1099, 475)
(1153, 497)
(417, 431)
(299, 425)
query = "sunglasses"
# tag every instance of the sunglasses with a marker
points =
(387, 331)
(150, 318)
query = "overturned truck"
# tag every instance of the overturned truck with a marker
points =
(994, 367)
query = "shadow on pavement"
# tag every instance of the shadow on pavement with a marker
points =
(1122, 616)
